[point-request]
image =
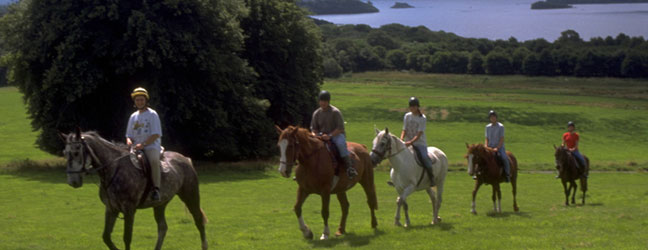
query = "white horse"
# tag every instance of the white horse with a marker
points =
(407, 175)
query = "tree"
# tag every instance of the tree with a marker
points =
(590, 63)
(517, 60)
(380, 38)
(498, 63)
(476, 63)
(565, 61)
(547, 66)
(531, 65)
(76, 64)
(569, 37)
(396, 59)
(635, 65)
(283, 46)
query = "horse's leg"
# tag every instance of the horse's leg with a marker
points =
(129, 219)
(436, 204)
(514, 188)
(494, 197)
(398, 208)
(158, 213)
(191, 199)
(566, 189)
(403, 199)
(326, 199)
(474, 194)
(575, 187)
(301, 197)
(583, 187)
(110, 218)
(499, 198)
(344, 204)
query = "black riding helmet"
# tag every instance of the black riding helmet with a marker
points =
(324, 96)
(492, 113)
(413, 101)
(570, 123)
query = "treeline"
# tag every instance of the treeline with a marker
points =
(325, 7)
(357, 48)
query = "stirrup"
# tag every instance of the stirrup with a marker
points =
(351, 172)
(155, 195)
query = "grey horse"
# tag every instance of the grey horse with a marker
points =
(124, 187)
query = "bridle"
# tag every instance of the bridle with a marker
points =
(387, 151)
(84, 148)
(295, 153)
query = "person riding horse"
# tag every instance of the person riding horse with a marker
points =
(495, 141)
(570, 139)
(328, 124)
(413, 134)
(145, 131)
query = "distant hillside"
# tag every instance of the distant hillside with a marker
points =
(325, 7)
(595, 1)
(403, 5)
(542, 5)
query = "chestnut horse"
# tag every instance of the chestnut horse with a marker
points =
(123, 187)
(566, 164)
(315, 175)
(483, 164)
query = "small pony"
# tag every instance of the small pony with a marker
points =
(483, 164)
(566, 164)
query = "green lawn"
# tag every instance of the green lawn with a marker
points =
(253, 210)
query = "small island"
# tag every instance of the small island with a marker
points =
(328, 7)
(542, 5)
(403, 5)
(596, 1)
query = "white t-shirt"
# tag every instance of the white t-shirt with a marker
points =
(413, 124)
(142, 125)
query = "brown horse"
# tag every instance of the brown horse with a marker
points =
(566, 164)
(482, 163)
(123, 187)
(316, 175)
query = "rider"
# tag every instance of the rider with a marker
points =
(570, 139)
(414, 135)
(327, 122)
(144, 130)
(495, 141)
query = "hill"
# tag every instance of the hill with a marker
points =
(542, 5)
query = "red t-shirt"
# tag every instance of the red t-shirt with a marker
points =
(570, 139)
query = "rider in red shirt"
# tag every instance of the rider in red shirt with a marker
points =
(570, 139)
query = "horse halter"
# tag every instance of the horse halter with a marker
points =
(84, 147)
(388, 149)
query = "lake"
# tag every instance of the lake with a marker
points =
(501, 19)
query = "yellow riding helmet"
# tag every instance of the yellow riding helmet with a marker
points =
(140, 91)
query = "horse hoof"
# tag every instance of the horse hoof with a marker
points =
(398, 224)
(324, 237)
(309, 235)
(516, 209)
(339, 233)
(473, 212)
(406, 225)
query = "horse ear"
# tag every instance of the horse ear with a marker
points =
(386, 130)
(377, 131)
(555, 146)
(62, 136)
(279, 131)
(467, 146)
(78, 132)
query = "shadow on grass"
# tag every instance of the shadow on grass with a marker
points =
(493, 214)
(53, 171)
(350, 239)
(443, 226)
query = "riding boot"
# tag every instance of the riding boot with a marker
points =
(351, 172)
(431, 175)
(155, 195)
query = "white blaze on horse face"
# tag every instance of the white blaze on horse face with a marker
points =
(283, 144)
(471, 166)
(74, 156)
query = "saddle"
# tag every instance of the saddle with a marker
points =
(500, 165)
(334, 153)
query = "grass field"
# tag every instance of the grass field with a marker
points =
(250, 206)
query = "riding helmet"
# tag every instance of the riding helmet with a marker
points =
(570, 123)
(324, 96)
(492, 113)
(140, 91)
(413, 101)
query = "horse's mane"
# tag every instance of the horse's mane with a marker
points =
(481, 149)
(307, 141)
(111, 144)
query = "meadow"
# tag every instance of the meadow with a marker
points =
(249, 204)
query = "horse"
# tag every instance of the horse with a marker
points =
(315, 174)
(482, 163)
(566, 164)
(123, 187)
(406, 175)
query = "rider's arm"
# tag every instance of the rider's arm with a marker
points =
(501, 142)
(151, 139)
(402, 135)
(418, 135)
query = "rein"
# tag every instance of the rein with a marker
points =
(95, 159)
(387, 153)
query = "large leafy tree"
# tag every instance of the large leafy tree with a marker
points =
(283, 47)
(76, 62)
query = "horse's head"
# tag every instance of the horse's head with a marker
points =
(77, 156)
(382, 146)
(476, 157)
(560, 155)
(288, 147)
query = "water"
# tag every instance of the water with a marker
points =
(502, 19)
